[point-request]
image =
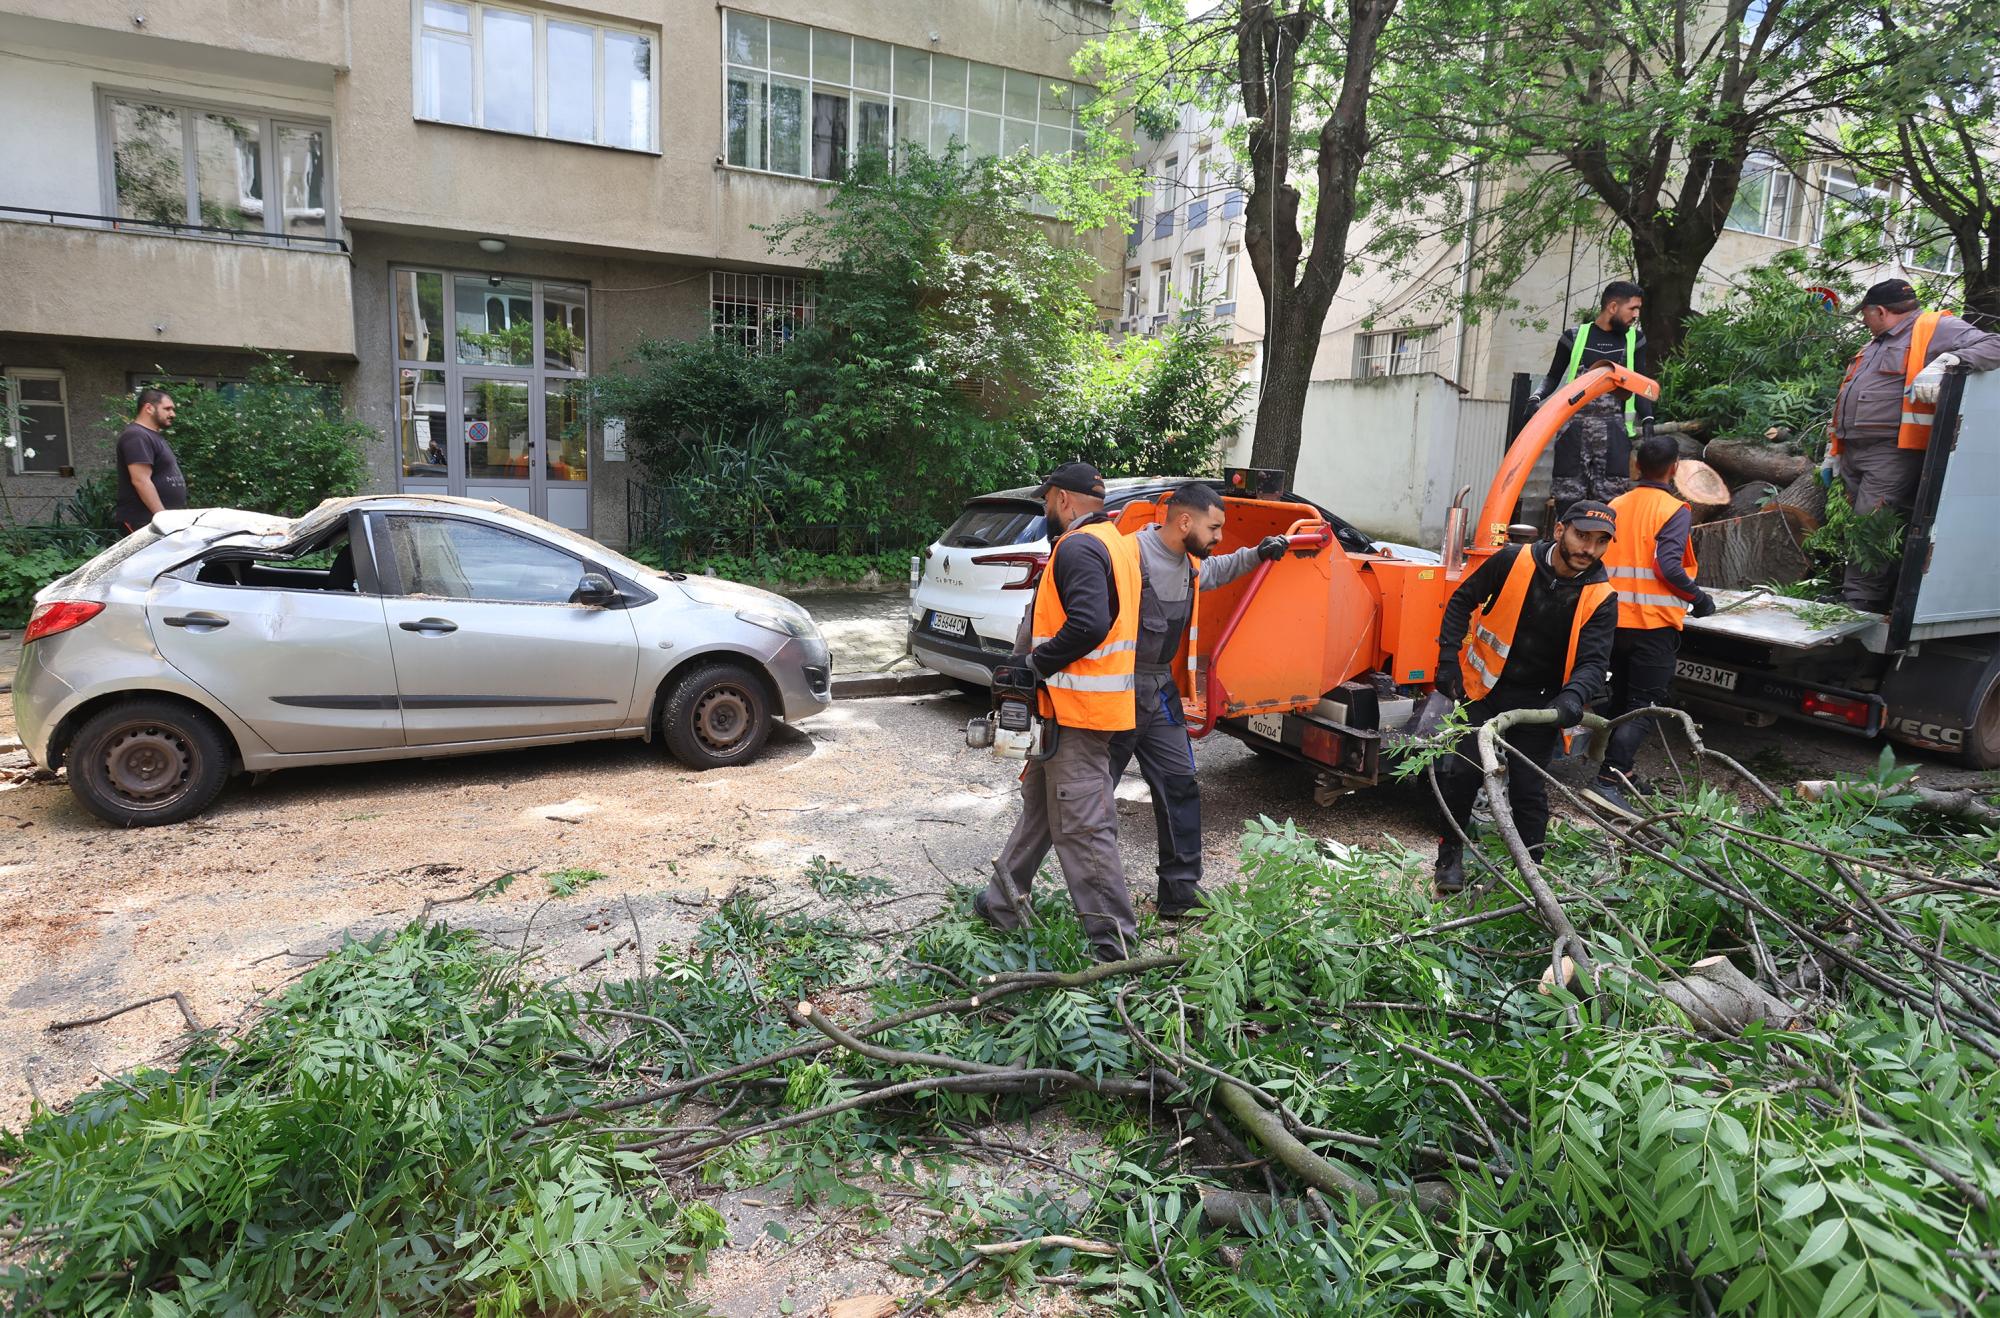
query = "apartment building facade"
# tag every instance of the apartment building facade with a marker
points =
(456, 211)
(1184, 257)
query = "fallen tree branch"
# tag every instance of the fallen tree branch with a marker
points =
(1964, 804)
(178, 998)
(1077, 1243)
(1434, 1197)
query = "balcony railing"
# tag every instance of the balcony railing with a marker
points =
(171, 228)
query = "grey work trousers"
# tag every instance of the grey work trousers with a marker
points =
(1593, 455)
(1166, 760)
(1877, 474)
(1066, 803)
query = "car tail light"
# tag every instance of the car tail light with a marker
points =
(1029, 565)
(1841, 709)
(58, 616)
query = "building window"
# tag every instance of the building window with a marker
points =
(36, 413)
(1931, 248)
(222, 168)
(1229, 256)
(1167, 187)
(1767, 199)
(1133, 298)
(808, 102)
(1163, 288)
(1197, 277)
(1847, 204)
(540, 75)
(761, 313)
(1396, 352)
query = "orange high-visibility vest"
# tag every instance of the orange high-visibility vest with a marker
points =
(1915, 430)
(1096, 691)
(1492, 631)
(1644, 601)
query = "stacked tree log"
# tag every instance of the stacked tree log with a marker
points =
(1754, 502)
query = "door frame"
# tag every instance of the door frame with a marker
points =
(536, 376)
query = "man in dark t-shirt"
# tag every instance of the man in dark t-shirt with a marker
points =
(1593, 454)
(149, 476)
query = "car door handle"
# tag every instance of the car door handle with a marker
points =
(430, 626)
(201, 621)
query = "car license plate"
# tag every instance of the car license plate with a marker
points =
(1706, 674)
(1268, 725)
(948, 623)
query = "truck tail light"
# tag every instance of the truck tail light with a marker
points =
(1840, 709)
(58, 616)
(1028, 565)
(1320, 744)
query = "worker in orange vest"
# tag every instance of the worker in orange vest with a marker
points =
(1652, 567)
(1530, 628)
(1081, 661)
(1882, 420)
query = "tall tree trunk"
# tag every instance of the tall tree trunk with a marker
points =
(1668, 274)
(1982, 295)
(1289, 354)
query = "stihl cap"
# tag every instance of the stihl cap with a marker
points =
(1077, 478)
(1590, 515)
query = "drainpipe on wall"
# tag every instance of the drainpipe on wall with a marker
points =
(1465, 278)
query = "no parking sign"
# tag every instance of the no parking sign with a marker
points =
(477, 432)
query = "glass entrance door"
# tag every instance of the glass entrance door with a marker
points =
(492, 381)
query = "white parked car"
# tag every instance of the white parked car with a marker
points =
(976, 581)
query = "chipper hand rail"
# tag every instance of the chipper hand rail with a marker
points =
(1491, 528)
(1214, 696)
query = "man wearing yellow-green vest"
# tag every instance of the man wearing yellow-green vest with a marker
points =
(1594, 451)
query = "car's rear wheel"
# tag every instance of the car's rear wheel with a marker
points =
(715, 716)
(1982, 739)
(144, 762)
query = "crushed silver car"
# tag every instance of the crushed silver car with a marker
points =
(383, 628)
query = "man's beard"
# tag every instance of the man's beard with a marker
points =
(1056, 524)
(1202, 551)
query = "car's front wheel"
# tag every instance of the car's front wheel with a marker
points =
(149, 761)
(717, 715)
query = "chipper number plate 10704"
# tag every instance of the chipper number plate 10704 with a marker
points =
(1706, 674)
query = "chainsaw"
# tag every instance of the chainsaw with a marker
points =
(1015, 729)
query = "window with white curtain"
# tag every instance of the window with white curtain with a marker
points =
(1847, 203)
(808, 102)
(34, 415)
(1396, 352)
(517, 70)
(217, 166)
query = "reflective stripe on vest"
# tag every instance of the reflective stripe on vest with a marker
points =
(1094, 691)
(1492, 635)
(1631, 360)
(1914, 430)
(1644, 601)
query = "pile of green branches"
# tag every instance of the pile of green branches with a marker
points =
(1739, 1056)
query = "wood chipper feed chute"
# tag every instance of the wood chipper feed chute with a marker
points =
(1280, 637)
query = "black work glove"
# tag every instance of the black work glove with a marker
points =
(1704, 604)
(1568, 706)
(1272, 547)
(1015, 677)
(1449, 679)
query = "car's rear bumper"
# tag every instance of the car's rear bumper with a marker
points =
(967, 660)
(40, 700)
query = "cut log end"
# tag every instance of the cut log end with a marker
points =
(1722, 1000)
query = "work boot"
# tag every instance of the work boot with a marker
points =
(1448, 875)
(1188, 903)
(1103, 952)
(982, 906)
(1610, 794)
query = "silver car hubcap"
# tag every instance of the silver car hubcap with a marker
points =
(722, 718)
(146, 762)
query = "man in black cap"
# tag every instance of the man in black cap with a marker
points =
(1530, 628)
(1593, 451)
(1882, 420)
(1078, 654)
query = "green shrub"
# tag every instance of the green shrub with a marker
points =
(27, 563)
(1165, 406)
(278, 443)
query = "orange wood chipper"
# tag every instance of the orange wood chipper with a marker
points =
(1323, 656)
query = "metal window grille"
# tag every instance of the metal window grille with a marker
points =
(761, 313)
(1396, 352)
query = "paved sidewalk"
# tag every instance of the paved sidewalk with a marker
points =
(867, 632)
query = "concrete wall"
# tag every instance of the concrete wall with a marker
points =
(1388, 453)
(311, 31)
(85, 283)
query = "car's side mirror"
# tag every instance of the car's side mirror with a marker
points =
(596, 590)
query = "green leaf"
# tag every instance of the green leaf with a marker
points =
(1801, 1200)
(1824, 1242)
(1842, 1290)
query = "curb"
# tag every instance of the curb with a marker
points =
(865, 686)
